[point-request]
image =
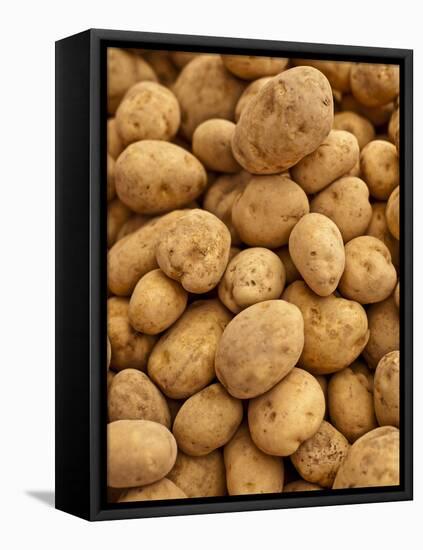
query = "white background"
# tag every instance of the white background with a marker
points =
(27, 37)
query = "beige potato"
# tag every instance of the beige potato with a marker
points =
(279, 421)
(253, 276)
(378, 228)
(394, 125)
(250, 91)
(250, 67)
(117, 215)
(387, 390)
(379, 166)
(300, 485)
(392, 213)
(114, 141)
(384, 331)
(291, 272)
(323, 382)
(337, 72)
(139, 452)
(164, 489)
(247, 367)
(111, 191)
(378, 115)
(207, 421)
(317, 250)
(397, 295)
(357, 125)
(267, 209)
(200, 476)
(346, 203)
(374, 84)
(335, 329)
(288, 119)
(132, 224)
(211, 144)
(373, 461)
(162, 65)
(153, 177)
(249, 470)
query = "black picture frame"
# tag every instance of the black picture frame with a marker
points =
(81, 273)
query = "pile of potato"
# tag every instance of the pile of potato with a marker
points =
(253, 311)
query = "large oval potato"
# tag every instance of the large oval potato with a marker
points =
(387, 390)
(164, 489)
(379, 165)
(200, 476)
(384, 331)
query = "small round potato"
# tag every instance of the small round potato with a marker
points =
(291, 272)
(207, 421)
(117, 215)
(279, 421)
(337, 72)
(379, 166)
(211, 144)
(393, 213)
(139, 452)
(373, 461)
(114, 141)
(247, 367)
(317, 250)
(355, 124)
(200, 476)
(111, 191)
(250, 91)
(384, 331)
(378, 227)
(301, 485)
(374, 85)
(160, 490)
(250, 67)
(387, 390)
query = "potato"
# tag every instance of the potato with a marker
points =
(195, 251)
(111, 191)
(346, 203)
(182, 362)
(291, 272)
(378, 228)
(156, 303)
(148, 111)
(244, 365)
(317, 250)
(114, 141)
(211, 144)
(397, 295)
(164, 489)
(130, 349)
(250, 67)
(267, 209)
(132, 224)
(323, 383)
(318, 459)
(337, 72)
(387, 390)
(350, 398)
(139, 452)
(132, 396)
(249, 470)
(379, 166)
(335, 157)
(110, 377)
(205, 89)
(300, 485)
(117, 215)
(335, 329)
(162, 65)
(207, 421)
(250, 91)
(180, 59)
(373, 461)
(393, 126)
(369, 275)
(288, 119)
(153, 177)
(279, 422)
(253, 276)
(392, 213)
(374, 85)
(384, 331)
(200, 476)
(109, 352)
(355, 124)
(378, 115)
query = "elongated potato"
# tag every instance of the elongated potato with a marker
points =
(250, 67)
(164, 489)
(384, 331)
(387, 390)
(200, 476)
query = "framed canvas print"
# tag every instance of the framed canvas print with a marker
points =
(233, 274)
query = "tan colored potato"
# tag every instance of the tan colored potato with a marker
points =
(267, 209)
(291, 272)
(139, 452)
(335, 329)
(153, 176)
(379, 166)
(384, 331)
(160, 490)
(117, 215)
(250, 67)
(249, 470)
(378, 228)
(110, 377)
(114, 141)
(211, 144)
(393, 126)
(369, 275)
(318, 459)
(207, 421)
(288, 119)
(323, 382)
(132, 396)
(111, 191)
(346, 203)
(300, 485)
(392, 213)
(374, 85)
(180, 59)
(247, 367)
(378, 116)
(250, 91)
(317, 250)
(195, 251)
(387, 390)
(337, 72)
(200, 476)
(162, 65)
(373, 461)
(355, 124)
(397, 295)
(350, 398)
(279, 422)
(132, 224)
(182, 362)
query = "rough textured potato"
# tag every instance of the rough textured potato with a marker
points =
(267, 209)
(200, 476)
(300, 485)
(350, 398)
(392, 213)
(160, 490)
(378, 228)
(335, 329)
(250, 91)
(253, 276)
(373, 461)
(384, 331)
(378, 116)
(317, 250)
(156, 303)
(207, 421)
(318, 459)
(195, 251)
(279, 422)
(117, 215)
(132, 396)
(250, 67)
(111, 191)
(291, 272)
(139, 452)
(249, 470)
(346, 203)
(182, 362)
(387, 390)
(355, 124)
(114, 141)
(373, 84)
(211, 143)
(243, 364)
(379, 166)
(337, 72)
(153, 176)
(288, 119)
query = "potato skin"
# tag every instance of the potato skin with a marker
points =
(164, 489)
(378, 227)
(250, 91)
(378, 116)
(111, 192)
(291, 272)
(337, 72)
(200, 476)
(139, 452)
(393, 213)
(114, 141)
(211, 144)
(301, 485)
(198, 432)
(243, 365)
(132, 224)
(384, 331)
(355, 124)
(279, 422)
(397, 295)
(117, 215)
(374, 84)
(250, 67)
(379, 166)
(317, 250)
(249, 470)
(300, 100)
(387, 390)
(373, 461)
